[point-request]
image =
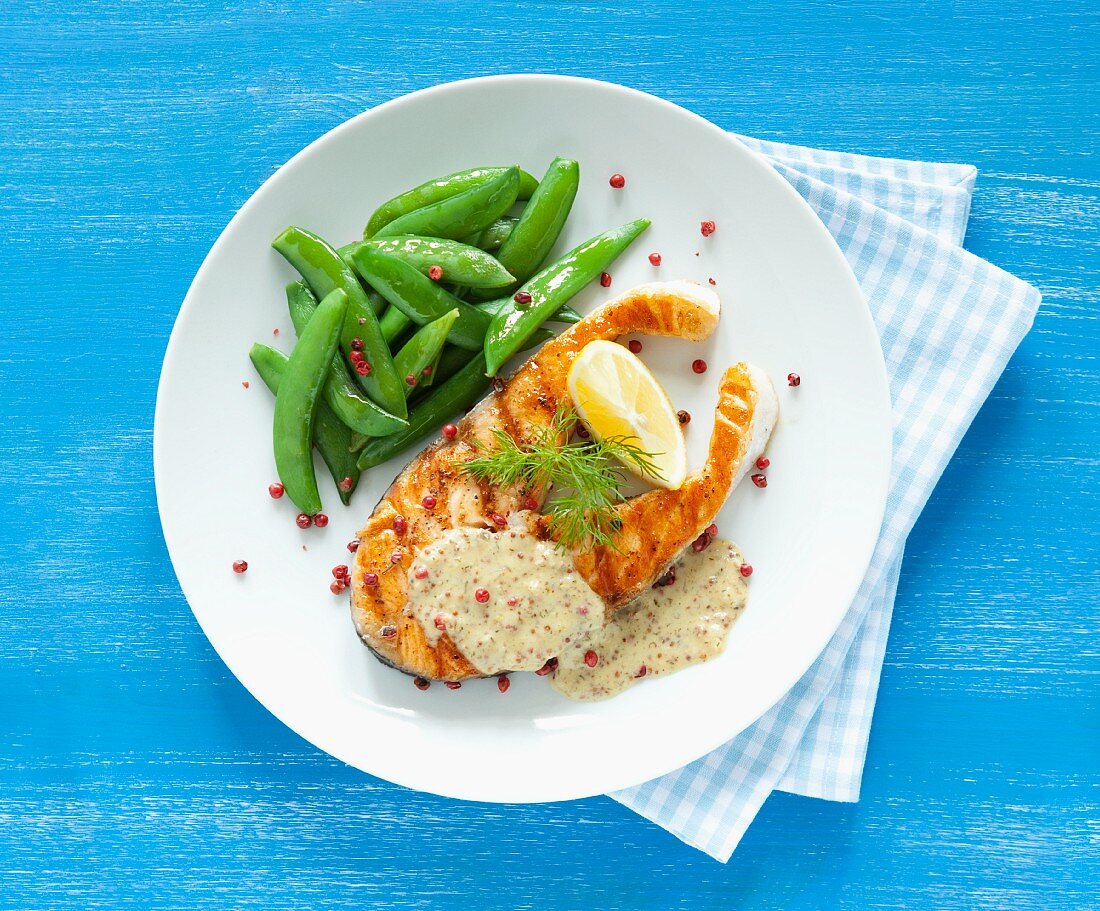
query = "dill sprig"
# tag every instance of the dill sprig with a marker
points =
(584, 476)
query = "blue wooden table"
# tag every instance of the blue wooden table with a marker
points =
(135, 772)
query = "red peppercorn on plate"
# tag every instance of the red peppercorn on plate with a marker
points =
(270, 585)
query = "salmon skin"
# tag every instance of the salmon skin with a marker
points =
(656, 526)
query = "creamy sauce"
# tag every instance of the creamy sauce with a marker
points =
(538, 607)
(663, 631)
(537, 604)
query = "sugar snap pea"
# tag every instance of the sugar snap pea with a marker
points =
(437, 190)
(330, 436)
(340, 394)
(324, 270)
(451, 360)
(530, 241)
(564, 313)
(444, 401)
(491, 239)
(423, 350)
(513, 325)
(296, 401)
(428, 376)
(462, 214)
(418, 297)
(392, 324)
(458, 262)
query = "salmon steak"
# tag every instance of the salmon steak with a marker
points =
(433, 496)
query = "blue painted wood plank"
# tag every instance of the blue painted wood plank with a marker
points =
(135, 772)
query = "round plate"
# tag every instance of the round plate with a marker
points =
(790, 303)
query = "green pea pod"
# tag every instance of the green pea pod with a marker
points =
(450, 361)
(418, 297)
(460, 215)
(296, 401)
(444, 401)
(423, 349)
(340, 394)
(551, 288)
(430, 376)
(493, 237)
(324, 271)
(393, 323)
(538, 229)
(490, 241)
(567, 315)
(459, 262)
(439, 189)
(331, 437)
(377, 301)
(564, 314)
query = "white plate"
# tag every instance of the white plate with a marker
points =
(790, 303)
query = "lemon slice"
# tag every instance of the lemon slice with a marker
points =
(616, 396)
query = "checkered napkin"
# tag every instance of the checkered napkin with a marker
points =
(948, 323)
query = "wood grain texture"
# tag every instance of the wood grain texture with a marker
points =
(136, 773)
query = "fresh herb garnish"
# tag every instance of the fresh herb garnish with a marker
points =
(584, 476)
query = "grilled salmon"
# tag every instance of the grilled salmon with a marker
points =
(655, 526)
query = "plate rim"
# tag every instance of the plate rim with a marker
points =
(767, 173)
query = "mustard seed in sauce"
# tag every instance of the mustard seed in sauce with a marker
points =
(537, 615)
(663, 631)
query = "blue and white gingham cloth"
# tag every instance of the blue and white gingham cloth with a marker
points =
(948, 323)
